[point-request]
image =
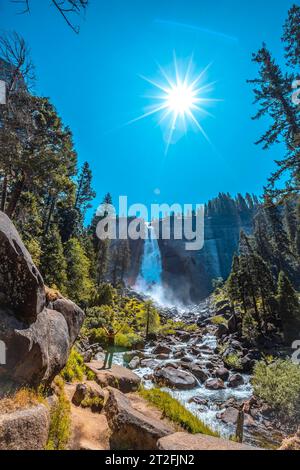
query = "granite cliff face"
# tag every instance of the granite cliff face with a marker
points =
(188, 275)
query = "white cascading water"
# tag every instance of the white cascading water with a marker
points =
(149, 281)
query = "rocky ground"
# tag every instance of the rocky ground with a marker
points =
(193, 367)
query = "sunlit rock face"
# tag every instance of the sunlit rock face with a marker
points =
(187, 276)
(190, 273)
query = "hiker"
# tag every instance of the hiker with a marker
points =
(111, 334)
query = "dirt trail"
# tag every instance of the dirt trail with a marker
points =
(90, 430)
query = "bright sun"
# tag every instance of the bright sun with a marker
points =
(181, 100)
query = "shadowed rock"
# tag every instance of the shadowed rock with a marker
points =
(38, 337)
(21, 285)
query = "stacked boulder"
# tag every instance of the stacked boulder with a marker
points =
(37, 333)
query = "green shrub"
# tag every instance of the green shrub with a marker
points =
(60, 420)
(278, 384)
(95, 403)
(233, 361)
(176, 412)
(219, 320)
(75, 368)
(128, 340)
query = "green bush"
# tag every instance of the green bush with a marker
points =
(233, 361)
(75, 368)
(60, 420)
(176, 412)
(219, 320)
(128, 340)
(278, 384)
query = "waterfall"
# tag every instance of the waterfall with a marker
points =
(149, 280)
(151, 267)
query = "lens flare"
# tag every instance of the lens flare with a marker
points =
(181, 100)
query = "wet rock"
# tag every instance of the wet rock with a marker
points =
(222, 330)
(134, 363)
(230, 416)
(235, 381)
(151, 363)
(176, 378)
(247, 364)
(222, 373)
(186, 359)
(162, 349)
(179, 354)
(183, 335)
(214, 384)
(199, 373)
(198, 400)
(129, 355)
(162, 356)
(172, 364)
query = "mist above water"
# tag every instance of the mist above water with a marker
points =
(149, 281)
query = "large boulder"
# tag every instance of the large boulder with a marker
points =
(25, 429)
(118, 377)
(21, 285)
(37, 335)
(183, 441)
(175, 378)
(130, 428)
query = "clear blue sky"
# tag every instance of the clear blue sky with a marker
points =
(94, 81)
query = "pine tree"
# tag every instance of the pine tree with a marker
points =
(52, 260)
(85, 193)
(79, 285)
(272, 90)
(289, 308)
(291, 37)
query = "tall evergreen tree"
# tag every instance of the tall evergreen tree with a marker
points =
(53, 263)
(79, 285)
(291, 37)
(289, 308)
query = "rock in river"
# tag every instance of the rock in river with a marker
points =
(175, 378)
(214, 384)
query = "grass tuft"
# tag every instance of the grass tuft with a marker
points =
(176, 412)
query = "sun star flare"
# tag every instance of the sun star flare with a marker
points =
(181, 100)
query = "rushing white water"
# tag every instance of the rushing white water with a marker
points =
(149, 281)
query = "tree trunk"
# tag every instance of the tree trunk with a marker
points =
(51, 210)
(4, 193)
(15, 197)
